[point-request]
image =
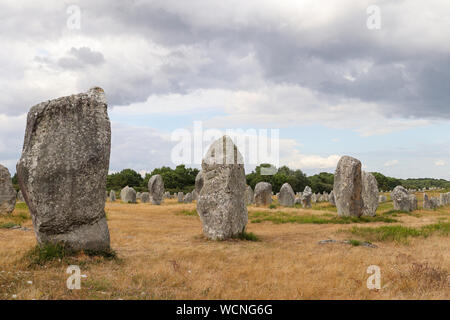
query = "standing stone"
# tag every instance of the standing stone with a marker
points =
(249, 195)
(313, 198)
(287, 196)
(112, 196)
(199, 182)
(298, 200)
(145, 197)
(63, 169)
(138, 195)
(331, 198)
(348, 187)
(188, 198)
(20, 196)
(128, 195)
(403, 200)
(156, 189)
(221, 203)
(263, 194)
(180, 197)
(382, 198)
(369, 194)
(307, 197)
(7, 192)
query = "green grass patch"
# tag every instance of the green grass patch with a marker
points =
(188, 213)
(8, 225)
(355, 243)
(400, 233)
(43, 254)
(280, 217)
(21, 206)
(248, 236)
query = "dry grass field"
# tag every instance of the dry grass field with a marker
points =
(161, 254)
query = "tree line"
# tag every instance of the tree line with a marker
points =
(183, 179)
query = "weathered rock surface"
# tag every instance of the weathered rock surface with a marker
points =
(382, 198)
(403, 200)
(7, 192)
(112, 196)
(221, 204)
(63, 169)
(188, 198)
(128, 195)
(307, 196)
(180, 197)
(263, 194)
(156, 189)
(145, 197)
(249, 195)
(369, 194)
(331, 198)
(286, 196)
(199, 182)
(348, 187)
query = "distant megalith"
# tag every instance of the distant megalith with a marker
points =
(112, 196)
(249, 195)
(199, 182)
(156, 189)
(403, 200)
(428, 203)
(63, 169)
(382, 198)
(221, 203)
(180, 197)
(188, 198)
(307, 197)
(20, 197)
(369, 194)
(348, 187)
(286, 197)
(331, 198)
(145, 197)
(263, 194)
(128, 195)
(7, 192)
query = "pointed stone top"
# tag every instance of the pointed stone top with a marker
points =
(223, 151)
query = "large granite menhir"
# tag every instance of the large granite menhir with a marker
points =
(63, 169)
(221, 204)
(348, 187)
(156, 189)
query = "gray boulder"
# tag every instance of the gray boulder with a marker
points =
(199, 182)
(249, 195)
(263, 194)
(138, 195)
(221, 204)
(145, 197)
(369, 194)
(286, 196)
(382, 198)
(403, 200)
(20, 196)
(156, 189)
(128, 195)
(7, 192)
(63, 169)
(331, 198)
(112, 196)
(188, 198)
(307, 196)
(180, 197)
(348, 187)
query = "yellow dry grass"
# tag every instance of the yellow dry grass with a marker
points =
(163, 255)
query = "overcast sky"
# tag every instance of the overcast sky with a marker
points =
(312, 69)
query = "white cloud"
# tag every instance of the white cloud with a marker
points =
(391, 163)
(440, 163)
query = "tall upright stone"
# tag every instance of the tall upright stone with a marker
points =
(287, 196)
(221, 203)
(263, 194)
(307, 196)
(156, 189)
(180, 197)
(7, 192)
(249, 195)
(20, 197)
(112, 196)
(403, 200)
(128, 195)
(348, 187)
(63, 169)
(331, 198)
(369, 194)
(145, 197)
(188, 198)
